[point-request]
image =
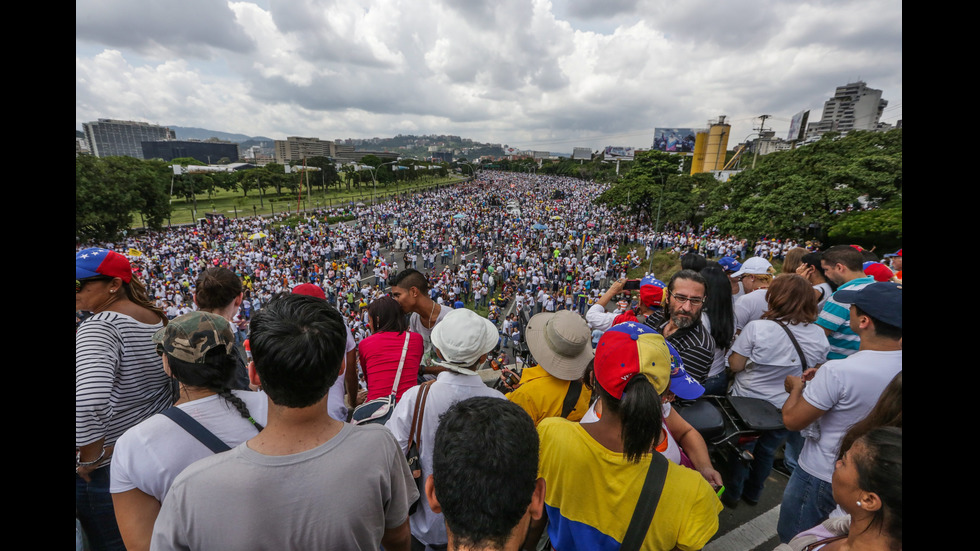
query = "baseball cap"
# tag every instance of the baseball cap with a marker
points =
(309, 289)
(559, 342)
(189, 337)
(682, 384)
(754, 266)
(729, 264)
(878, 271)
(96, 261)
(652, 291)
(896, 253)
(881, 300)
(462, 336)
(627, 349)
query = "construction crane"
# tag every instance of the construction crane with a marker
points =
(738, 155)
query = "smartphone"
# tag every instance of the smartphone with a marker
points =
(631, 285)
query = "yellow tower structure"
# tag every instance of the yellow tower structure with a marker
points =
(710, 147)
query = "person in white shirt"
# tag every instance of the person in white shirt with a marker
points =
(461, 346)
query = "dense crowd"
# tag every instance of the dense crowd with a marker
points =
(385, 302)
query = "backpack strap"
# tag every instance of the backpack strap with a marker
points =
(571, 398)
(196, 429)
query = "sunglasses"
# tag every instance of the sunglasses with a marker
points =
(79, 283)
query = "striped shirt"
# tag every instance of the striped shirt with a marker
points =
(694, 344)
(119, 378)
(836, 317)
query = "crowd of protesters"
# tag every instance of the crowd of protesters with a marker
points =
(558, 252)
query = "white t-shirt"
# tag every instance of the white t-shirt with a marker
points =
(150, 455)
(847, 390)
(750, 307)
(767, 344)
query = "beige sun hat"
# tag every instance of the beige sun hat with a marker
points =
(561, 343)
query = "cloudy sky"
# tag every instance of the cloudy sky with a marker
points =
(533, 74)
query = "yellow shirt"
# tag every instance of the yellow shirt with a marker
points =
(542, 395)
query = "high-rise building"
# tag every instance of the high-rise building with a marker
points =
(853, 107)
(207, 152)
(295, 148)
(108, 137)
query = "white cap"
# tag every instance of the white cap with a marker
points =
(754, 266)
(462, 337)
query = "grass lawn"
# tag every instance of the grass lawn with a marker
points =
(233, 204)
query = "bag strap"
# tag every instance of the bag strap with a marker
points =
(415, 435)
(653, 486)
(571, 398)
(795, 343)
(196, 429)
(401, 363)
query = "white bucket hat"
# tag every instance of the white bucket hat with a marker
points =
(462, 337)
(561, 343)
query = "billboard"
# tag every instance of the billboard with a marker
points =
(613, 153)
(584, 153)
(798, 125)
(675, 140)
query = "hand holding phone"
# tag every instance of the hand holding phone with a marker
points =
(632, 285)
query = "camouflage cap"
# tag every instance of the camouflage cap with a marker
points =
(190, 336)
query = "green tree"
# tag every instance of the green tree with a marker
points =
(644, 190)
(109, 190)
(804, 191)
(328, 172)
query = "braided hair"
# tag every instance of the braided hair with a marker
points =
(216, 373)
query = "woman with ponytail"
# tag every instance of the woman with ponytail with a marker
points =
(594, 472)
(198, 354)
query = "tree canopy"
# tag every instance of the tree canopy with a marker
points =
(807, 190)
(109, 190)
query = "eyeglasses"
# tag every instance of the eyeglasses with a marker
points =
(681, 299)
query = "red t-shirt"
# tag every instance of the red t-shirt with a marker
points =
(379, 355)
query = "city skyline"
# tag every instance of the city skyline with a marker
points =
(532, 74)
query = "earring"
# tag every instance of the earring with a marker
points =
(859, 504)
(112, 290)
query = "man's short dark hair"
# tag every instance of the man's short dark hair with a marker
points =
(687, 274)
(408, 278)
(484, 468)
(298, 343)
(882, 329)
(851, 258)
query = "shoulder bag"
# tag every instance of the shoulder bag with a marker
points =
(414, 455)
(646, 506)
(379, 410)
(799, 350)
(196, 429)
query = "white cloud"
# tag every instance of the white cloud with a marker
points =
(536, 73)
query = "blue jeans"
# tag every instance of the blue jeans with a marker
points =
(791, 454)
(807, 501)
(717, 385)
(93, 505)
(747, 480)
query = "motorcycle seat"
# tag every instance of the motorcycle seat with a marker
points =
(756, 413)
(704, 416)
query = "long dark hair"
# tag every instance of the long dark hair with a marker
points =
(217, 373)
(386, 315)
(718, 305)
(640, 413)
(880, 471)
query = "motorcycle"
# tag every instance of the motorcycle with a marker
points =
(727, 423)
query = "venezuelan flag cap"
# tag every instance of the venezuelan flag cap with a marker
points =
(627, 349)
(97, 261)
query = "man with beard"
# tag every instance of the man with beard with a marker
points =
(680, 322)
